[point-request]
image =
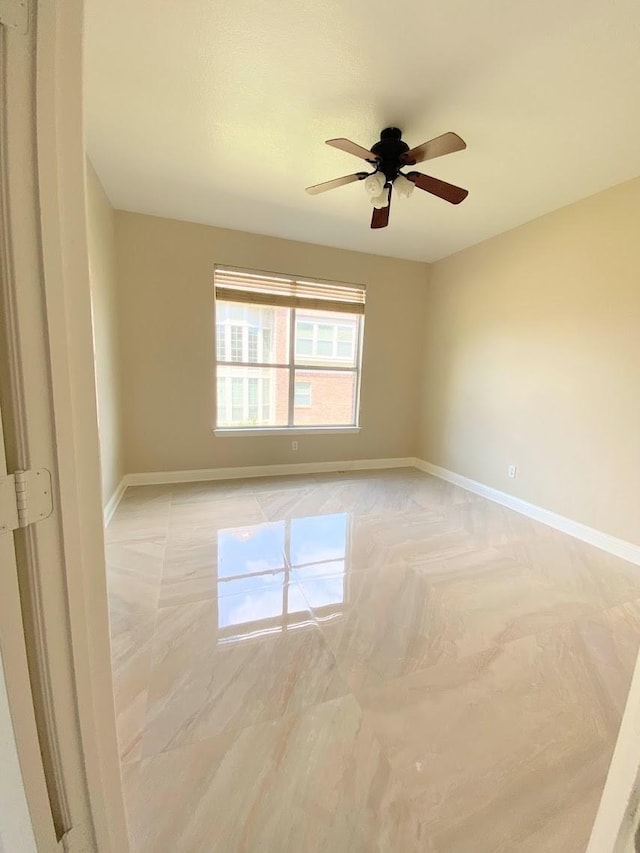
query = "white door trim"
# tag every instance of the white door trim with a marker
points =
(61, 172)
(51, 421)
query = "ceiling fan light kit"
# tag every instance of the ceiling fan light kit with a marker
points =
(389, 156)
(382, 199)
(374, 183)
(403, 186)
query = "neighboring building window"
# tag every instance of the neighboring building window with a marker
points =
(288, 351)
(303, 394)
(325, 340)
(242, 343)
(244, 399)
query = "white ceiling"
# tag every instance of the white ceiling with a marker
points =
(216, 111)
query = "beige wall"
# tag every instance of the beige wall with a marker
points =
(533, 359)
(166, 329)
(103, 271)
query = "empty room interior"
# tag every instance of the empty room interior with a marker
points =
(371, 452)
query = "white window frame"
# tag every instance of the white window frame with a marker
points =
(354, 367)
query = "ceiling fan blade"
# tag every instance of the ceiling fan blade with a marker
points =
(449, 192)
(380, 218)
(353, 148)
(336, 182)
(441, 145)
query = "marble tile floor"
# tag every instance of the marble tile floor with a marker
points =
(374, 662)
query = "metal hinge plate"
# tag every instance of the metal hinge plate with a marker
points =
(15, 14)
(25, 497)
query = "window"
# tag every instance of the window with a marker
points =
(303, 394)
(288, 351)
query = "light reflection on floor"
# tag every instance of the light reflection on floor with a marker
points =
(256, 566)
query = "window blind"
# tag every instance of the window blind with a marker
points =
(237, 285)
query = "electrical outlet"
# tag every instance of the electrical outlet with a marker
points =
(512, 471)
(294, 445)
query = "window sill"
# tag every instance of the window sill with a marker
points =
(234, 433)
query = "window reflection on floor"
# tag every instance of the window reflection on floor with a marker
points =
(258, 566)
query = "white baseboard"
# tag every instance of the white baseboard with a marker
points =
(604, 541)
(114, 500)
(204, 474)
(611, 544)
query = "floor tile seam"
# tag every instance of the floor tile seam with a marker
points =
(146, 689)
(133, 513)
(159, 541)
(429, 568)
(121, 718)
(325, 647)
(182, 534)
(361, 695)
(594, 584)
(155, 584)
(132, 501)
(523, 779)
(367, 720)
(140, 648)
(247, 491)
(610, 712)
(312, 612)
(597, 610)
(514, 564)
(414, 511)
(132, 574)
(502, 805)
(368, 569)
(260, 507)
(198, 504)
(292, 513)
(122, 710)
(155, 641)
(130, 540)
(152, 645)
(234, 731)
(205, 598)
(634, 600)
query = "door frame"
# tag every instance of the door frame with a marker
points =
(50, 417)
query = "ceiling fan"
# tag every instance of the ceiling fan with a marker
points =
(389, 156)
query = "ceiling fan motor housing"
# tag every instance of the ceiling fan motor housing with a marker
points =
(390, 150)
